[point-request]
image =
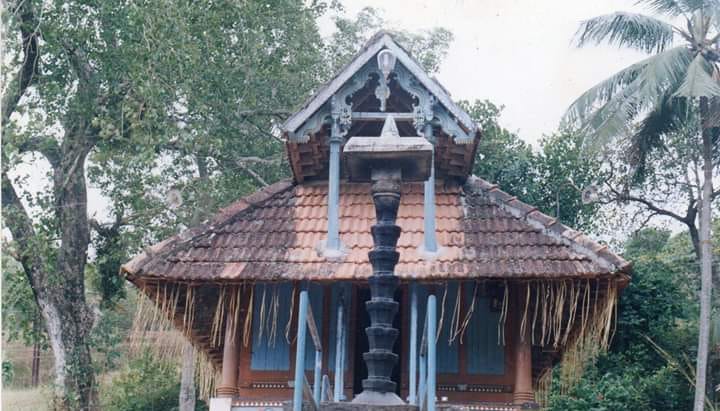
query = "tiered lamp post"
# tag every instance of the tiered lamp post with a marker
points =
(386, 161)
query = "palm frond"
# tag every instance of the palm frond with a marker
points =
(608, 109)
(670, 7)
(700, 80)
(657, 72)
(713, 116)
(699, 24)
(667, 117)
(613, 119)
(602, 92)
(693, 5)
(714, 11)
(632, 30)
(665, 71)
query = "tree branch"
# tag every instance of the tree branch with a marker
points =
(29, 70)
(262, 131)
(649, 205)
(252, 173)
(47, 146)
(268, 113)
(20, 225)
(107, 230)
(78, 61)
(253, 159)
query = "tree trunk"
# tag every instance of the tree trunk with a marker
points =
(67, 293)
(75, 387)
(187, 379)
(187, 376)
(59, 288)
(705, 268)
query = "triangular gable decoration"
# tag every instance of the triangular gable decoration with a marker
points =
(331, 105)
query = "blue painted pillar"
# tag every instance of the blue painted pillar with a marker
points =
(317, 380)
(412, 397)
(431, 351)
(422, 387)
(300, 352)
(325, 385)
(333, 239)
(430, 241)
(339, 352)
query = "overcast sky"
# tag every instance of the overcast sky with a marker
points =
(516, 53)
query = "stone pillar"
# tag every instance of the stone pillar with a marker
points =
(379, 388)
(523, 393)
(228, 384)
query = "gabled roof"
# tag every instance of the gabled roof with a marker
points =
(379, 41)
(274, 235)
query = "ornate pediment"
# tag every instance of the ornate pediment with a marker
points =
(382, 80)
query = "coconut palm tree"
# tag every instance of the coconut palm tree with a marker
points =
(678, 82)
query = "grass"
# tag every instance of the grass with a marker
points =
(25, 399)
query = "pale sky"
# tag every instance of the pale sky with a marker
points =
(516, 53)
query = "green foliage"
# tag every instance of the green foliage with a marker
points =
(503, 158)
(551, 179)
(655, 306)
(111, 253)
(21, 318)
(8, 373)
(606, 392)
(428, 47)
(146, 384)
(563, 173)
(112, 327)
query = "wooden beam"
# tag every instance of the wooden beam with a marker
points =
(313, 330)
(379, 116)
(308, 394)
(327, 390)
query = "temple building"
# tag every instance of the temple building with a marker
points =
(513, 291)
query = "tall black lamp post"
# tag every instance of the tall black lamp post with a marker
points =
(386, 161)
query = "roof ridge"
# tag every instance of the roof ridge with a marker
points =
(550, 226)
(185, 237)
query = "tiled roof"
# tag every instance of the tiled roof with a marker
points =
(277, 233)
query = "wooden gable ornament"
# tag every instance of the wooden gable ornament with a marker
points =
(381, 80)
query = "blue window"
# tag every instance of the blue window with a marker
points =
(270, 349)
(485, 354)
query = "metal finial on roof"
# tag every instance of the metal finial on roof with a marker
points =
(389, 129)
(386, 62)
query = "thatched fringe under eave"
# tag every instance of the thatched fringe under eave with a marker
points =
(574, 318)
(158, 328)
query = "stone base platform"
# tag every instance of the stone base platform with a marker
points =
(348, 406)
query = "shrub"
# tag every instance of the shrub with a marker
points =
(147, 384)
(7, 373)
